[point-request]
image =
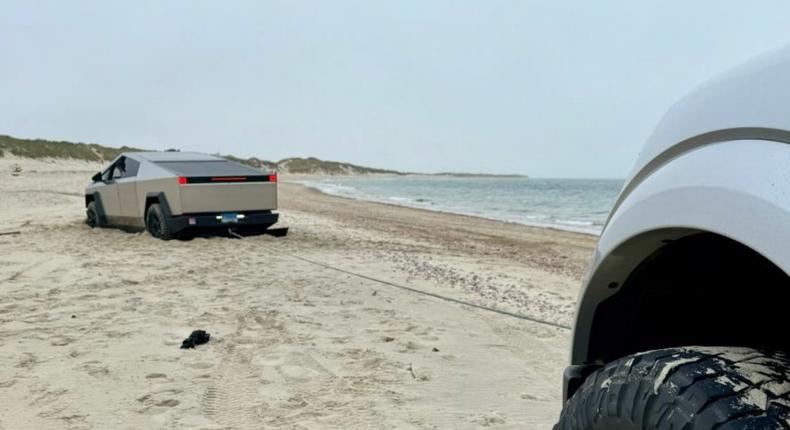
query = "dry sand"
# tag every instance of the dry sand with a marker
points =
(91, 320)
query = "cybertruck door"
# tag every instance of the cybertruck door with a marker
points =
(108, 193)
(127, 194)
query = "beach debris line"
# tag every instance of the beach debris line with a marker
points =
(197, 337)
(9, 233)
(430, 294)
(425, 293)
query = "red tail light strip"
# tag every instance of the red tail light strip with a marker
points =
(225, 179)
(229, 179)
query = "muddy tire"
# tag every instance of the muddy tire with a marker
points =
(156, 223)
(685, 389)
(92, 216)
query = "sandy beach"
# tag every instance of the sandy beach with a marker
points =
(91, 320)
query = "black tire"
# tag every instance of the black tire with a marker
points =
(685, 389)
(92, 216)
(156, 223)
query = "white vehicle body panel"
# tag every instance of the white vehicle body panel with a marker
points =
(739, 189)
(749, 102)
(718, 162)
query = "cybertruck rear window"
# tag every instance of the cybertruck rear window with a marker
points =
(207, 168)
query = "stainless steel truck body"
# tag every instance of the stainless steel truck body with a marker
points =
(169, 193)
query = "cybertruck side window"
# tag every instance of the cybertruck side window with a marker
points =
(117, 171)
(132, 166)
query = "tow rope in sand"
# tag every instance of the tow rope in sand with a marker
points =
(429, 294)
(417, 291)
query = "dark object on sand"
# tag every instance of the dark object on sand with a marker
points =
(277, 232)
(198, 337)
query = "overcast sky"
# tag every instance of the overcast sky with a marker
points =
(546, 88)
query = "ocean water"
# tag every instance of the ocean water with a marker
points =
(568, 204)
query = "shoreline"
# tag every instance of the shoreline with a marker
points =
(464, 229)
(304, 182)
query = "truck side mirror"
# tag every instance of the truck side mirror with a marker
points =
(96, 177)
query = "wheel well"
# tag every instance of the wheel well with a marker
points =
(703, 289)
(150, 200)
(88, 199)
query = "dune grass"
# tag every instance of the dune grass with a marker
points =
(39, 148)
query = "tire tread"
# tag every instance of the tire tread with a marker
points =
(164, 232)
(711, 389)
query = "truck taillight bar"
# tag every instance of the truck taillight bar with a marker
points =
(225, 179)
(229, 179)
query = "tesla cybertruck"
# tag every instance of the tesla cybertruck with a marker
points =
(683, 319)
(177, 193)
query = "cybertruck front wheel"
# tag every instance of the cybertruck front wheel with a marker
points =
(156, 223)
(685, 389)
(92, 216)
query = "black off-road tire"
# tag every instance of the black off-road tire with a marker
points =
(699, 388)
(156, 223)
(92, 216)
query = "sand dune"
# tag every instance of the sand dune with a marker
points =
(91, 320)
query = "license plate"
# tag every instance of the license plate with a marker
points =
(228, 217)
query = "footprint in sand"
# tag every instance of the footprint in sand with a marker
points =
(159, 402)
(45, 396)
(296, 402)
(156, 376)
(410, 347)
(199, 365)
(94, 368)
(493, 419)
(295, 367)
(60, 340)
(27, 361)
(298, 373)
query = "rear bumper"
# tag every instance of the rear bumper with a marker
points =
(209, 220)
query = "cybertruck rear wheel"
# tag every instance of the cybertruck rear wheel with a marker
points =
(156, 223)
(685, 389)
